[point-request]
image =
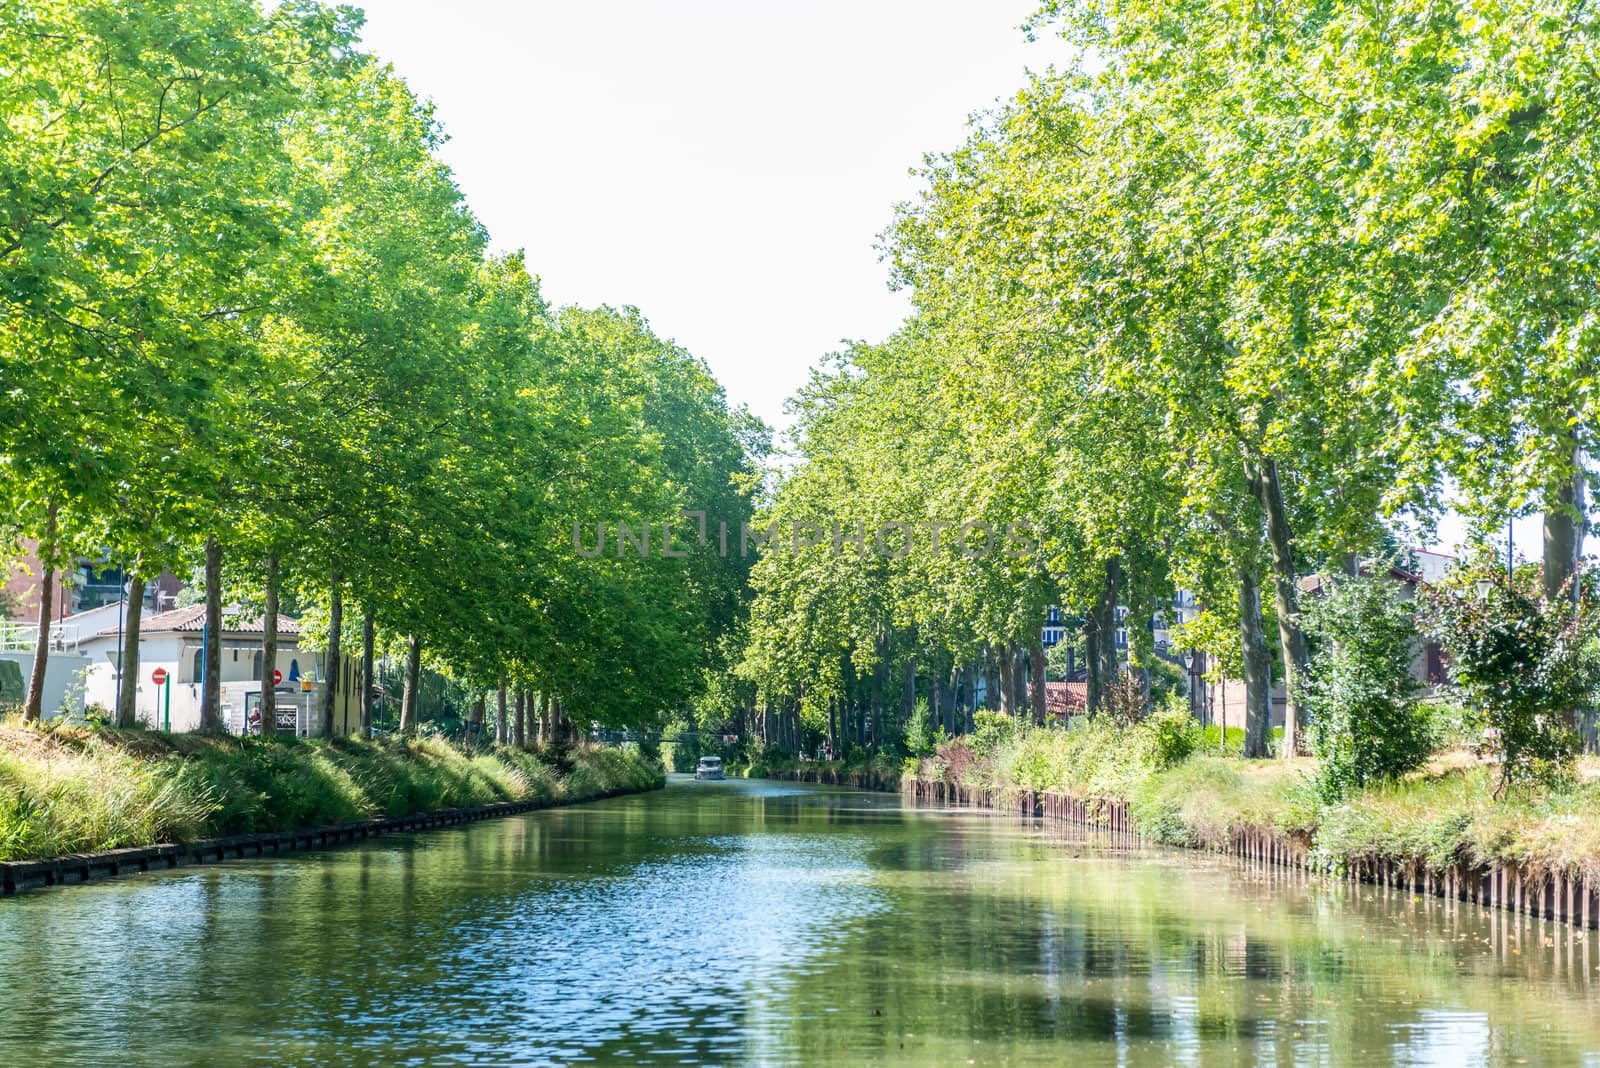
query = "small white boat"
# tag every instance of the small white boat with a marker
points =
(710, 768)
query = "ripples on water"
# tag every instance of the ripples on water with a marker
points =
(762, 922)
(670, 953)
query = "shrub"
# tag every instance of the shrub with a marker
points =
(955, 759)
(1367, 724)
(1099, 759)
(1169, 737)
(1522, 665)
(990, 730)
(918, 739)
(1123, 700)
(1167, 683)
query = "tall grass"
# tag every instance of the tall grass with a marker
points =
(58, 799)
(1204, 800)
(1434, 819)
(72, 790)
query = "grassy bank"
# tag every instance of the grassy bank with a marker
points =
(74, 790)
(1182, 794)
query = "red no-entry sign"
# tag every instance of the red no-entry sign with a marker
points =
(277, 676)
(158, 676)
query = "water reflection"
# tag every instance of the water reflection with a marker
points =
(740, 922)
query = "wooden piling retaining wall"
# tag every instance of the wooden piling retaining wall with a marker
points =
(1566, 897)
(860, 780)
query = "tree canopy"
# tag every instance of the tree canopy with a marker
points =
(1232, 299)
(243, 303)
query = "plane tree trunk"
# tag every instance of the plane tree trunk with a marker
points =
(1094, 686)
(412, 693)
(1019, 679)
(1008, 690)
(269, 649)
(330, 686)
(211, 655)
(991, 680)
(908, 690)
(1036, 664)
(1107, 667)
(369, 634)
(33, 701)
(1257, 668)
(1291, 633)
(1564, 529)
(128, 692)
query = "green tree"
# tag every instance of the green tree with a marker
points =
(1366, 721)
(1523, 666)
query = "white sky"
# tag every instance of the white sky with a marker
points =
(725, 166)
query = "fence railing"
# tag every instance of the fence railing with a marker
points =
(24, 637)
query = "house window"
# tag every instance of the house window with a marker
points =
(1435, 668)
(198, 668)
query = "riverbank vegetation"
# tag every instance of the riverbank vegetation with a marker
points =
(1182, 792)
(74, 789)
(252, 334)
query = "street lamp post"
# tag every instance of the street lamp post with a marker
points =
(122, 613)
(1197, 704)
(1511, 567)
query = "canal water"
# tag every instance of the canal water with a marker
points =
(756, 922)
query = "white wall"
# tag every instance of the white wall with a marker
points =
(156, 651)
(62, 673)
(1433, 567)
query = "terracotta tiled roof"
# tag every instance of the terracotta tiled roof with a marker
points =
(192, 619)
(1066, 698)
(1313, 584)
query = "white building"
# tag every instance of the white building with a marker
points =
(1429, 566)
(1184, 607)
(172, 642)
(64, 668)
